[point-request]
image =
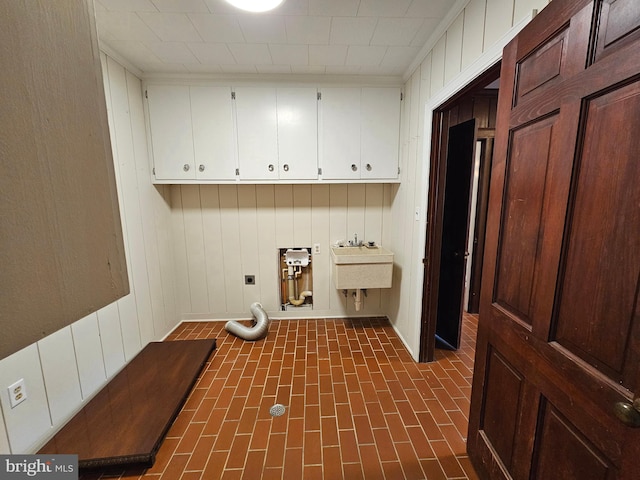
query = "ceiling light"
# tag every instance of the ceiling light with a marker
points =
(255, 5)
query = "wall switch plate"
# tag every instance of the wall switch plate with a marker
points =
(17, 393)
(316, 248)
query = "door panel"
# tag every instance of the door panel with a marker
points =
(523, 203)
(564, 452)
(603, 244)
(502, 398)
(619, 26)
(455, 226)
(542, 69)
(559, 328)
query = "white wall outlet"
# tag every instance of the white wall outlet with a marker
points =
(17, 393)
(316, 248)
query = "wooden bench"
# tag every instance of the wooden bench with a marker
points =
(125, 423)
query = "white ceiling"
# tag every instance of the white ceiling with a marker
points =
(317, 37)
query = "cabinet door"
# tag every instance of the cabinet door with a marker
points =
(213, 133)
(380, 132)
(340, 131)
(171, 131)
(257, 127)
(298, 133)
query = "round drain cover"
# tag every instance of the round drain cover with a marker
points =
(277, 410)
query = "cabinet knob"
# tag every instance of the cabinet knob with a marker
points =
(354, 167)
(368, 167)
(285, 167)
(271, 168)
(201, 168)
(186, 167)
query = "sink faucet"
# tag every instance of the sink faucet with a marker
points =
(354, 242)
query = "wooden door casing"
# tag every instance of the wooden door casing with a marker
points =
(473, 102)
(559, 332)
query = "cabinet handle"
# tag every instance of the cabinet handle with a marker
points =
(201, 168)
(271, 167)
(354, 167)
(186, 167)
(368, 167)
(285, 167)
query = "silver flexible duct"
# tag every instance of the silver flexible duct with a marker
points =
(260, 327)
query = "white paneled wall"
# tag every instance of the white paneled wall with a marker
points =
(477, 28)
(224, 232)
(68, 367)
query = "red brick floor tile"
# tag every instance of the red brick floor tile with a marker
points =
(357, 407)
(292, 464)
(371, 466)
(201, 453)
(332, 462)
(275, 450)
(352, 471)
(329, 431)
(312, 448)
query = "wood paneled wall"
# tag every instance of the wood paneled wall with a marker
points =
(65, 369)
(224, 232)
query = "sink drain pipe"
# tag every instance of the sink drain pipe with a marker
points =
(259, 329)
(291, 277)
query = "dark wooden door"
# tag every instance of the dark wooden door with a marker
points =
(558, 350)
(455, 223)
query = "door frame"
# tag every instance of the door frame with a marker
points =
(491, 55)
(435, 211)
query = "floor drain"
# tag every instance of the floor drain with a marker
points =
(277, 410)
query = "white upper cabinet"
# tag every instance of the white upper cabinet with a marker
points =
(379, 132)
(360, 131)
(340, 133)
(191, 132)
(298, 133)
(171, 131)
(277, 133)
(270, 133)
(257, 124)
(213, 133)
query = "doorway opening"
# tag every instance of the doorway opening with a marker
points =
(462, 149)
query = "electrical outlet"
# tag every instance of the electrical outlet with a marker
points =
(316, 248)
(17, 393)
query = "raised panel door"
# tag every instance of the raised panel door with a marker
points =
(560, 308)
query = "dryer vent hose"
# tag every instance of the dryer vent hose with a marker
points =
(259, 329)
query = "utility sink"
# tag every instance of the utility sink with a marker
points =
(361, 267)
